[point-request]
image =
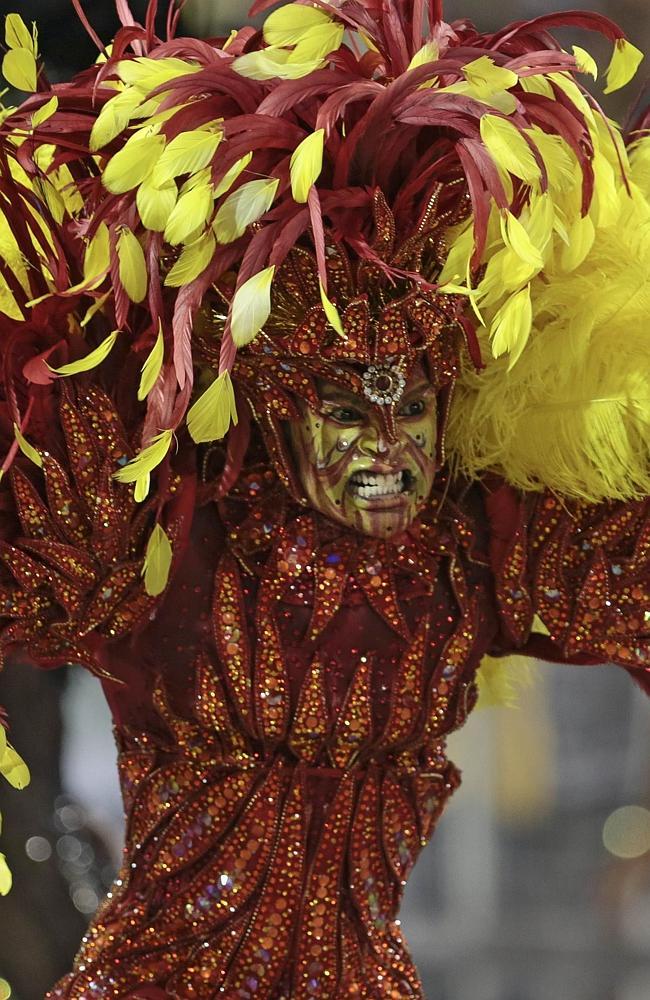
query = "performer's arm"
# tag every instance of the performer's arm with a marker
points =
(581, 571)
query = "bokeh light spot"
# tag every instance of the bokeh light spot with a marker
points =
(38, 849)
(5, 990)
(626, 833)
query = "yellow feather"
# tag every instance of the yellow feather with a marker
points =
(265, 65)
(496, 100)
(511, 326)
(8, 303)
(246, 205)
(27, 449)
(306, 165)
(504, 274)
(559, 159)
(567, 83)
(187, 153)
(586, 62)
(97, 259)
(231, 175)
(640, 165)
(289, 24)
(96, 307)
(151, 367)
(572, 415)
(132, 265)
(141, 488)
(430, 52)
(91, 360)
(582, 234)
(317, 44)
(486, 77)
(501, 678)
(193, 261)
(519, 242)
(270, 63)
(45, 112)
(156, 204)
(13, 767)
(157, 562)
(626, 60)
(211, 415)
(537, 84)
(20, 70)
(331, 311)
(147, 74)
(148, 459)
(5, 876)
(18, 35)
(49, 194)
(508, 148)
(114, 118)
(191, 212)
(134, 162)
(539, 220)
(251, 306)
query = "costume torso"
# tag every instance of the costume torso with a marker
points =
(284, 762)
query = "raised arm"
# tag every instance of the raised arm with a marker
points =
(583, 570)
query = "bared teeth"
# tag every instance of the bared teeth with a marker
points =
(377, 484)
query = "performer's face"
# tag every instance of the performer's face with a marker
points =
(350, 470)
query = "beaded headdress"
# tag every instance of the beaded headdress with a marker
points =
(355, 185)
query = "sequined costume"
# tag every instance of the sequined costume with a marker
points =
(282, 685)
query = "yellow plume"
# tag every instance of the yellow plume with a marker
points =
(18, 35)
(191, 212)
(626, 60)
(91, 360)
(20, 70)
(508, 148)
(134, 162)
(306, 165)
(156, 203)
(251, 307)
(151, 367)
(148, 459)
(193, 261)
(586, 62)
(27, 449)
(187, 153)
(157, 562)
(45, 111)
(211, 415)
(231, 175)
(331, 311)
(132, 265)
(5, 877)
(97, 259)
(246, 205)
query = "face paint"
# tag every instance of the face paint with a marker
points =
(349, 469)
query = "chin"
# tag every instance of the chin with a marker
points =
(386, 526)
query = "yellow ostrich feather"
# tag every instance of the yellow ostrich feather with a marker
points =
(568, 409)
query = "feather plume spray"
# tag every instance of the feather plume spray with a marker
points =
(500, 118)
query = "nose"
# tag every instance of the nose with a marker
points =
(373, 439)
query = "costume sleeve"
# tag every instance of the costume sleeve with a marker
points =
(71, 555)
(579, 573)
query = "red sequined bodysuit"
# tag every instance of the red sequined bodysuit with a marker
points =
(281, 715)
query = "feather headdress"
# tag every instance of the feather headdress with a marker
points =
(177, 169)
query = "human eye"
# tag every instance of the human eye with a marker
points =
(413, 408)
(345, 414)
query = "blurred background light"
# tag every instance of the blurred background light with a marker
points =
(38, 849)
(626, 833)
